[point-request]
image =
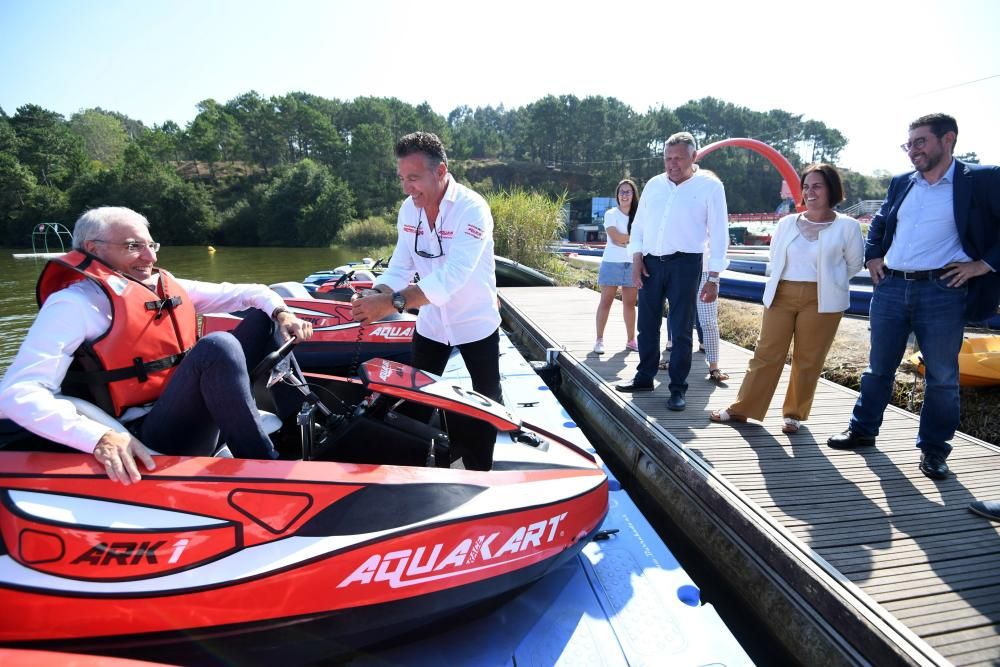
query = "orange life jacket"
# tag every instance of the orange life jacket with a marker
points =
(151, 331)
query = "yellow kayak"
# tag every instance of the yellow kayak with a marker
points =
(978, 362)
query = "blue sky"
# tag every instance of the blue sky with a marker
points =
(866, 68)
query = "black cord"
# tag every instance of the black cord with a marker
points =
(356, 362)
(344, 406)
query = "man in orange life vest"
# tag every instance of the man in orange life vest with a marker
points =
(113, 325)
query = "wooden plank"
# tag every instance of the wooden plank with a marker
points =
(906, 541)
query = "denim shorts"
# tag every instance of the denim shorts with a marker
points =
(615, 274)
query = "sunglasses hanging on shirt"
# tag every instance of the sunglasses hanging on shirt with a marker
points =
(416, 236)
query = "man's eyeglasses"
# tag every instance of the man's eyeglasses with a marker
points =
(915, 144)
(132, 247)
(416, 235)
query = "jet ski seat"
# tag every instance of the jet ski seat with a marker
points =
(270, 421)
(291, 290)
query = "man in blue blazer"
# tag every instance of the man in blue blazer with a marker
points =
(933, 251)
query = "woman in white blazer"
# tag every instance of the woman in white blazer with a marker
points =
(814, 254)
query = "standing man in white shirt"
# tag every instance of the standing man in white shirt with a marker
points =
(122, 331)
(679, 212)
(446, 235)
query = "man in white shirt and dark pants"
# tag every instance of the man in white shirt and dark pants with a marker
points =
(446, 235)
(679, 212)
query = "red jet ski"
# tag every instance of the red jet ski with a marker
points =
(367, 533)
(339, 343)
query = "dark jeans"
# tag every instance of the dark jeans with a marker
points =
(935, 313)
(673, 278)
(208, 399)
(470, 439)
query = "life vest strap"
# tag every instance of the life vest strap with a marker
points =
(160, 304)
(138, 369)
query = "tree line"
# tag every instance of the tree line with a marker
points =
(292, 170)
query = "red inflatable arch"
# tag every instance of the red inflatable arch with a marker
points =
(779, 161)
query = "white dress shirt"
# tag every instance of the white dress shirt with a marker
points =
(926, 235)
(461, 284)
(682, 218)
(82, 313)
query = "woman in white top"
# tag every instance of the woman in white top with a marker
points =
(814, 254)
(616, 264)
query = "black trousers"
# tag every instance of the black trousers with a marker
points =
(472, 440)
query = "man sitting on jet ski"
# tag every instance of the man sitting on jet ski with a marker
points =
(121, 333)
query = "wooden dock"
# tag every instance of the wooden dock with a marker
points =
(852, 557)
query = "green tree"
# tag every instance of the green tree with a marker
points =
(103, 134)
(371, 170)
(46, 146)
(17, 184)
(163, 142)
(214, 135)
(258, 118)
(305, 205)
(179, 212)
(309, 132)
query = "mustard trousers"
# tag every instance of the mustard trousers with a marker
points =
(793, 316)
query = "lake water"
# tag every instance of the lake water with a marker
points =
(259, 265)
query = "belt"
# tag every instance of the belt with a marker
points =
(916, 275)
(664, 258)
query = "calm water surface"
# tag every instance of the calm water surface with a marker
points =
(259, 265)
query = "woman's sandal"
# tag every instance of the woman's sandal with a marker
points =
(716, 375)
(791, 425)
(723, 416)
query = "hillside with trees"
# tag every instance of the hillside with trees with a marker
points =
(292, 170)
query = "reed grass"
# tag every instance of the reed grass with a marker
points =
(371, 232)
(525, 224)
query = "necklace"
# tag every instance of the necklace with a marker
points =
(802, 216)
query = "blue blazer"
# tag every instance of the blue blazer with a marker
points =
(977, 217)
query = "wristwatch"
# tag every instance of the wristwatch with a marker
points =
(713, 279)
(398, 301)
(278, 311)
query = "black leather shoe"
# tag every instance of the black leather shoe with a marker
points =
(628, 387)
(933, 466)
(987, 508)
(850, 440)
(676, 401)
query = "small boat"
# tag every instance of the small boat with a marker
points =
(339, 342)
(514, 274)
(340, 283)
(759, 267)
(593, 249)
(978, 362)
(583, 261)
(362, 533)
(365, 270)
(750, 287)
